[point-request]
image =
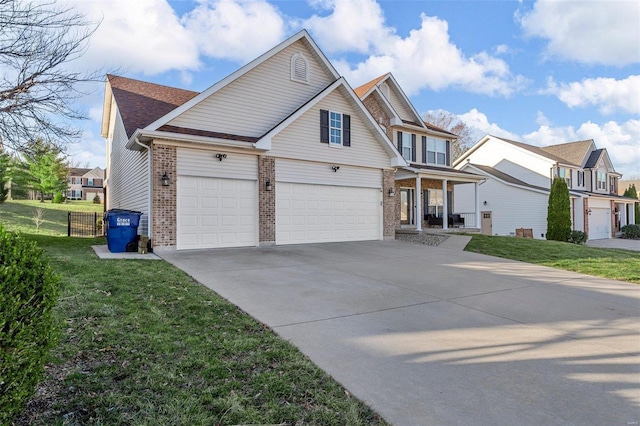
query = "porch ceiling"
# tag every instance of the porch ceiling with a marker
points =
(440, 173)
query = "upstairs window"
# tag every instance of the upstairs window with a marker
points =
(613, 188)
(335, 128)
(299, 68)
(565, 174)
(90, 181)
(580, 178)
(406, 146)
(437, 151)
(601, 180)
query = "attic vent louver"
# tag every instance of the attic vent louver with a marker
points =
(299, 68)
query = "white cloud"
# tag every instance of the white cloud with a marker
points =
(608, 94)
(620, 140)
(89, 151)
(426, 58)
(593, 32)
(235, 29)
(480, 122)
(142, 36)
(541, 119)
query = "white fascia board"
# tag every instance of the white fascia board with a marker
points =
(106, 110)
(395, 158)
(239, 73)
(490, 176)
(440, 174)
(406, 99)
(135, 141)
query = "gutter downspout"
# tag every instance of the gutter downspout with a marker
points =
(150, 200)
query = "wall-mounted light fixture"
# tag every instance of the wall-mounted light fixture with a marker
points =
(484, 202)
(335, 168)
(165, 179)
(221, 156)
(392, 192)
(589, 212)
(268, 186)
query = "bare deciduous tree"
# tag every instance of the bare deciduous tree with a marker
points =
(38, 41)
(450, 122)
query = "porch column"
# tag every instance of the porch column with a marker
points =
(477, 212)
(445, 207)
(418, 206)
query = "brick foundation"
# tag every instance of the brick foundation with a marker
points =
(391, 220)
(164, 220)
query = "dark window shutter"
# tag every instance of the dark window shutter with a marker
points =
(346, 130)
(424, 149)
(448, 160)
(324, 126)
(413, 147)
(400, 142)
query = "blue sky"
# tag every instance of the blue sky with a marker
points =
(542, 72)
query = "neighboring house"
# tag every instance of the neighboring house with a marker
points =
(623, 185)
(519, 176)
(281, 151)
(425, 185)
(84, 184)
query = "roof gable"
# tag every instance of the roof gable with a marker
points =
(248, 91)
(573, 152)
(141, 102)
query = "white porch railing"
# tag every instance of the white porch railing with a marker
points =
(469, 219)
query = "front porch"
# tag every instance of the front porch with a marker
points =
(426, 199)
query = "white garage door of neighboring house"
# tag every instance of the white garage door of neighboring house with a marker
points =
(313, 203)
(214, 212)
(599, 223)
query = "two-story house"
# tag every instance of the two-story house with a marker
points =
(84, 184)
(519, 177)
(427, 184)
(281, 151)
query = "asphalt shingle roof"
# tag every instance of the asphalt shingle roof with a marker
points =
(361, 90)
(573, 152)
(141, 103)
(593, 158)
(536, 150)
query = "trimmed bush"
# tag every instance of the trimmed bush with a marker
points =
(28, 292)
(58, 198)
(559, 211)
(577, 237)
(631, 232)
(96, 199)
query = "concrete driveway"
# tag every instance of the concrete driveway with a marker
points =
(617, 243)
(430, 336)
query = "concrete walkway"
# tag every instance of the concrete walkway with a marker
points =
(430, 336)
(617, 243)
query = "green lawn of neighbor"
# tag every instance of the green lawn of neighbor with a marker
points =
(18, 215)
(141, 343)
(615, 264)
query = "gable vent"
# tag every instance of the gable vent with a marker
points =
(299, 68)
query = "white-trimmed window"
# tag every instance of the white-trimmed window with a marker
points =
(299, 68)
(580, 178)
(565, 174)
(436, 151)
(406, 146)
(335, 128)
(601, 180)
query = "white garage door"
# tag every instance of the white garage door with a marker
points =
(325, 213)
(214, 212)
(599, 224)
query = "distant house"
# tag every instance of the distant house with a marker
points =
(623, 185)
(84, 184)
(516, 192)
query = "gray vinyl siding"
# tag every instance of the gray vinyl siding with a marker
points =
(400, 106)
(260, 99)
(322, 174)
(128, 185)
(301, 139)
(196, 162)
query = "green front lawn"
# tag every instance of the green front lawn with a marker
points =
(142, 343)
(615, 264)
(18, 215)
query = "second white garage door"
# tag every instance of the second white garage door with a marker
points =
(214, 212)
(599, 224)
(325, 213)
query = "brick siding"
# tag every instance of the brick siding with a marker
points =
(378, 114)
(164, 220)
(267, 200)
(390, 219)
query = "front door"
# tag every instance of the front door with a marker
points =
(406, 206)
(486, 225)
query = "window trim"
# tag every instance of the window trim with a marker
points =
(326, 128)
(335, 117)
(436, 152)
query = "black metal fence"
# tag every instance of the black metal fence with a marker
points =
(81, 224)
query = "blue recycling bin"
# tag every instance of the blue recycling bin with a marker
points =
(122, 228)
